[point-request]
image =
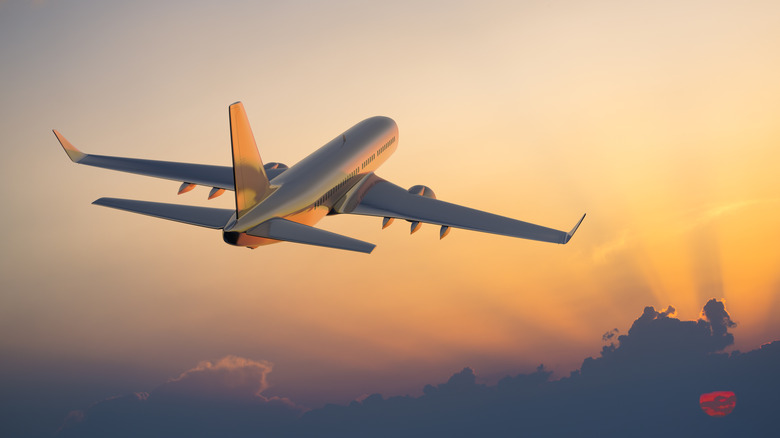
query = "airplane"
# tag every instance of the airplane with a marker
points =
(276, 203)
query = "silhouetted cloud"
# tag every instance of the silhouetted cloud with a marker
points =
(212, 399)
(720, 321)
(668, 312)
(657, 337)
(608, 336)
(460, 383)
(648, 384)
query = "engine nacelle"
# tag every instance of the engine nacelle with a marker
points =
(422, 191)
(216, 191)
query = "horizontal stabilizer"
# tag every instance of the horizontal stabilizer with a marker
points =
(283, 229)
(188, 214)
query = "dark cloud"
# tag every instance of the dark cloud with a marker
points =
(659, 338)
(459, 383)
(646, 385)
(719, 319)
(608, 336)
(213, 399)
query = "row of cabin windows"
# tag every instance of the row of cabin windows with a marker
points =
(365, 163)
(385, 146)
(379, 151)
(335, 189)
(369, 160)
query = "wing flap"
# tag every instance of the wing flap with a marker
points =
(188, 214)
(386, 199)
(283, 229)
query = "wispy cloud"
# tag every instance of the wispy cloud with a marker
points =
(708, 214)
(231, 378)
(673, 225)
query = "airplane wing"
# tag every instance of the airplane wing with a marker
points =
(378, 197)
(220, 177)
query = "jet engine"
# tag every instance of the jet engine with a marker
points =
(273, 170)
(422, 191)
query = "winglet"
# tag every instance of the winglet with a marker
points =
(573, 230)
(74, 154)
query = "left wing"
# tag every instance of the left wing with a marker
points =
(201, 174)
(378, 197)
(220, 177)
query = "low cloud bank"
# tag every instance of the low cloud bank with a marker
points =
(646, 384)
(213, 399)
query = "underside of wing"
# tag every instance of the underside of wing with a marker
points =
(188, 214)
(283, 229)
(379, 197)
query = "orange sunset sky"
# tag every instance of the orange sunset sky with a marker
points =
(657, 119)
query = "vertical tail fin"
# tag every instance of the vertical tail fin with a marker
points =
(251, 182)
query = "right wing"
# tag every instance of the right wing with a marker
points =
(378, 197)
(220, 177)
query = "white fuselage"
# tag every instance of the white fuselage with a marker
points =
(307, 191)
